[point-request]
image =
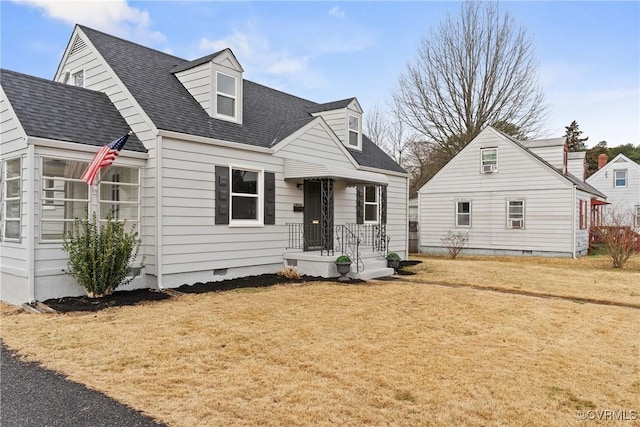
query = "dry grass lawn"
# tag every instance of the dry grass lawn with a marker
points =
(382, 353)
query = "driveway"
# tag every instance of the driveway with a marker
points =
(33, 396)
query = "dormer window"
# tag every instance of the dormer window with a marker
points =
(354, 131)
(77, 79)
(226, 95)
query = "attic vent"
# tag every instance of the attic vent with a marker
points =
(78, 45)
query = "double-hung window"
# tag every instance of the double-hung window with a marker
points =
(119, 194)
(488, 160)
(226, 95)
(65, 197)
(620, 178)
(515, 214)
(637, 217)
(354, 131)
(463, 213)
(246, 197)
(12, 191)
(371, 204)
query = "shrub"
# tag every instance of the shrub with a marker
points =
(454, 242)
(289, 272)
(618, 236)
(101, 256)
(392, 256)
(343, 258)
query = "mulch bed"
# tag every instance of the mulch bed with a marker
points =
(122, 298)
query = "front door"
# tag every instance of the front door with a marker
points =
(312, 215)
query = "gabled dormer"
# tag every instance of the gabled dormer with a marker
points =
(344, 118)
(215, 81)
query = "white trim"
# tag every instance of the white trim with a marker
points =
(74, 73)
(5, 180)
(358, 145)
(295, 169)
(510, 221)
(236, 103)
(159, 207)
(626, 178)
(75, 146)
(213, 141)
(384, 171)
(376, 204)
(31, 226)
(484, 168)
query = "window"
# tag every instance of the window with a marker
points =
(371, 204)
(78, 79)
(637, 215)
(120, 194)
(463, 214)
(12, 192)
(583, 214)
(488, 160)
(620, 178)
(64, 196)
(226, 95)
(515, 214)
(354, 131)
(246, 196)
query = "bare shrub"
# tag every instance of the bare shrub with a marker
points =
(454, 242)
(289, 272)
(618, 236)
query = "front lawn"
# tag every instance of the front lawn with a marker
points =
(400, 352)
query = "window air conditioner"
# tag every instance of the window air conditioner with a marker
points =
(488, 168)
(516, 223)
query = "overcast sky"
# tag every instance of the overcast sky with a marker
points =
(589, 52)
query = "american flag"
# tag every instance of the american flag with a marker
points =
(104, 158)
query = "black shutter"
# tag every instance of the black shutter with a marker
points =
(359, 205)
(269, 198)
(383, 204)
(222, 195)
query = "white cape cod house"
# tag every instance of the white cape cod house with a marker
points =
(222, 176)
(512, 198)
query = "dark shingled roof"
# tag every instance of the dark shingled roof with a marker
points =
(334, 105)
(267, 113)
(62, 112)
(196, 62)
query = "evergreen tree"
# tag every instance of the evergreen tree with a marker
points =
(574, 141)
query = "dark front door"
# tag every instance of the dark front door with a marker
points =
(312, 215)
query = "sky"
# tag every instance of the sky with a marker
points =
(588, 52)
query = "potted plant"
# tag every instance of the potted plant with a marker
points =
(343, 264)
(393, 261)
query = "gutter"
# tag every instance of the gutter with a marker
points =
(159, 213)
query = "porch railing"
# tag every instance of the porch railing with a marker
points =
(374, 235)
(348, 243)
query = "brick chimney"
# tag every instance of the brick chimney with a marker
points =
(602, 160)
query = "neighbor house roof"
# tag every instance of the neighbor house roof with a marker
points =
(62, 112)
(267, 113)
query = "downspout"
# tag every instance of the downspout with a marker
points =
(573, 220)
(31, 240)
(159, 213)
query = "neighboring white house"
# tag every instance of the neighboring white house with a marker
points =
(511, 197)
(619, 179)
(223, 177)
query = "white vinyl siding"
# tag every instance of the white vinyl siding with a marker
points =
(549, 210)
(622, 199)
(198, 82)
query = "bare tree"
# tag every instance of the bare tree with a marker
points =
(618, 236)
(389, 133)
(475, 70)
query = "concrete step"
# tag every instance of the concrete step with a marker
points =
(367, 274)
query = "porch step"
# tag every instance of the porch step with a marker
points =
(367, 273)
